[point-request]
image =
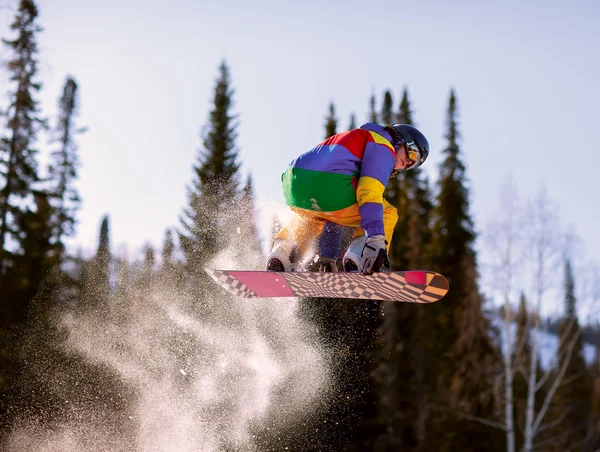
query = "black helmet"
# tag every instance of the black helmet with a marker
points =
(412, 138)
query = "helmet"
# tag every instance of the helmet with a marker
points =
(413, 139)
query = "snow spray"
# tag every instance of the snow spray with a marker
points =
(204, 379)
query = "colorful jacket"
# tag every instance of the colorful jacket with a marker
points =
(347, 168)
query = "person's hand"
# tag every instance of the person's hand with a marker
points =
(374, 255)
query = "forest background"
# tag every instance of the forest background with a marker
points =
(105, 351)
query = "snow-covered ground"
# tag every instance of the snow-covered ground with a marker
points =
(547, 344)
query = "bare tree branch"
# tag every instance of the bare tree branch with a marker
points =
(554, 423)
(542, 444)
(557, 382)
(555, 360)
(543, 237)
(482, 421)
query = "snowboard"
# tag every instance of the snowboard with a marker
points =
(404, 286)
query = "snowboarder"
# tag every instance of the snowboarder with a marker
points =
(340, 183)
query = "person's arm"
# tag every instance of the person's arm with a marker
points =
(377, 166)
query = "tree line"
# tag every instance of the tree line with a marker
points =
(441, 377)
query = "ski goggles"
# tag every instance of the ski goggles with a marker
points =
(413, 153)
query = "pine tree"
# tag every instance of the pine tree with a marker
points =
(20, 198)
(352, 124)
(18, 157)
(145, 280)
(415, 197)
(453, 229)
(400, 355)
(521, 360)
(522, 348)
(168, 252)
(40, 253)
(96, 290)
(103, 253)
(387, 115)
(466, 358)
(63, 168)
(62, 193)
(215, 185)
(409, 192)
(372, 109)
(123, 306)
(330, 122)
(149, 261)
(347, 328)
(170, 274)
(592, 443)
(404, 114)
(573, 397)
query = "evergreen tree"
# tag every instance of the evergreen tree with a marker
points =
(372, 109)
(521, 360)
(215, 185)
(409, 192)
(453, 228)
(522, 350)
(399, 357)
(40, 254)
(348, 329)
(122, 301)
(387, 115)
(56, 209)
(415, 200)
(394, 376)
(20, 199)
(352, 124)
(401, 200)
(466, 358)
(168, 252)
(63, 168)
(592, 442)
(404, 114)
(330, 122)
(96, 289)
(149, 261)
(170, 274)
(103, 252)
(18, 164)
(145, 280)
(573, 397)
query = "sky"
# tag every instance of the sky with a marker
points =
(525, 75)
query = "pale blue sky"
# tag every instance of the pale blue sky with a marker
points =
(526, 76)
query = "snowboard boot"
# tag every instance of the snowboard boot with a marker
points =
(284, 257)
(352, 257)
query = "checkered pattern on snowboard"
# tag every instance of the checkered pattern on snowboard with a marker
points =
(395, 286)
(379, 286)
(231, 284)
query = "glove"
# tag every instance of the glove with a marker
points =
(374, 255)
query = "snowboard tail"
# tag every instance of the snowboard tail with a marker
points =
(405, 286)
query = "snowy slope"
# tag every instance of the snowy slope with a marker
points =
(547, 344)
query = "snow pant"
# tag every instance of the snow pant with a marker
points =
(306, 225)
